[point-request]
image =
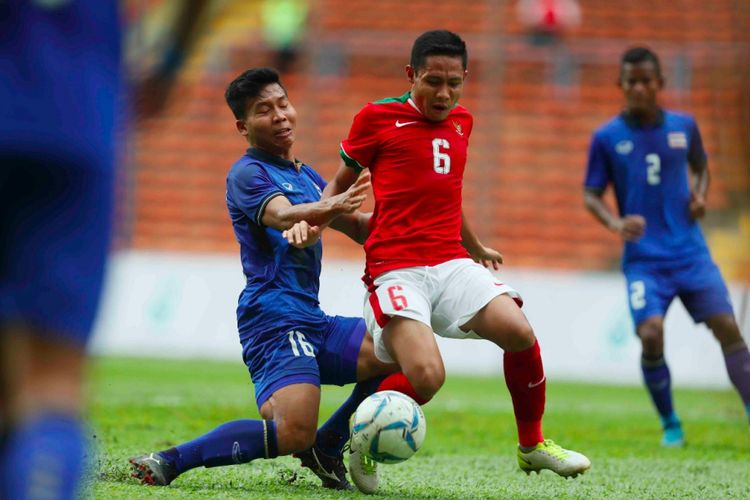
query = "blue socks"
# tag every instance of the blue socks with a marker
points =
(44, 458)
(236, 442)
(658, 382)
(334, 433)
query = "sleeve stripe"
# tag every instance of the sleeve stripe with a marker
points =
(262, 207)
(350, 162)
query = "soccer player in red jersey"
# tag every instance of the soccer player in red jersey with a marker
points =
(426, 270)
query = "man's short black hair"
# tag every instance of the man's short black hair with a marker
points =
(248, 86)
(437, 43)
(635, 55)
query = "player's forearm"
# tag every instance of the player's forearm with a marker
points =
(469, 239)
(354, 225)
(319, 213)
(595, 204)
(701, 181)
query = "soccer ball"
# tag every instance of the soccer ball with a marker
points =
(389, 427)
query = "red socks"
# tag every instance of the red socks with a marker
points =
(524, 376)
(399, 382)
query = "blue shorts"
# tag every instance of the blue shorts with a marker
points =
(697, 282)
(54, 237)
(325, 353)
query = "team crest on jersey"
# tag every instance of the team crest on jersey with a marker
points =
(459, 129)
(287, 186)
(624, 147)
(677, 140)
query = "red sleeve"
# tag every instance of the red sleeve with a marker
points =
(359, 148)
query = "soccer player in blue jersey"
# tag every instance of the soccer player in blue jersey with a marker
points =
(289, 344)
(59, 67)
(654, 159)
(59, 88)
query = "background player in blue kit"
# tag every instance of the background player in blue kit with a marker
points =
(646, 153)
(288, 343)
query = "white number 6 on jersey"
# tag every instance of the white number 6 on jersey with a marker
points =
(441, 161)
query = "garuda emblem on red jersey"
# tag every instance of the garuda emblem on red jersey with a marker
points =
(459, 130)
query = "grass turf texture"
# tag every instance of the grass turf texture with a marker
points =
(146, 405)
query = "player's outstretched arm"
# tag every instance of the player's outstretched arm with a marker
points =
(343, 180)
(484, 255)
(630, 227)
(282, 215)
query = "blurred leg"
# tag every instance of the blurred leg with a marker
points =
(45, 452)
(736, 355)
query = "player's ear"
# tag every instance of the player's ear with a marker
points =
(410, 73)
(241, 126)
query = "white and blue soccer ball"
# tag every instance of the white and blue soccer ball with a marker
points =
(389, 427)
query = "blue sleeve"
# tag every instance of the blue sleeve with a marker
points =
(318, 179)
(696, 154)
(597, 171)
(251, 189)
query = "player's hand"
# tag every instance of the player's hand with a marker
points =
(697, 206)
(302, 235)
(487, 257)
(630, 227)
(351, 199)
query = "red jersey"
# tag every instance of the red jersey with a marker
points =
(417, 169)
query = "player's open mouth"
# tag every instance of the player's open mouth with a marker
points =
(286, 132)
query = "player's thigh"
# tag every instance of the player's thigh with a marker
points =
(368, 365)
(279, 358)
(649, 292)
(55, 226)
(347, 354)
(703, 291)
(401, 293)
(294, 410)
(413, 346)
(463, 290)
(40, 373)
(503, 323)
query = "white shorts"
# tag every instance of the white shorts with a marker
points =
(443, 297)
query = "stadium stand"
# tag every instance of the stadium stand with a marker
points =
(534, 108)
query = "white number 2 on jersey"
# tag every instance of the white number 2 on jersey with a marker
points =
(441, 161)
(653, 169)
(638, 295)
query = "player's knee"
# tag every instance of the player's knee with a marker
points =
(294, 436)
(651, 334)
(427, 378)
(726, 330)
(521, 337)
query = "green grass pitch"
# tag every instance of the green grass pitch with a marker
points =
(469, 452)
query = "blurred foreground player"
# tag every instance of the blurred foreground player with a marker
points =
(59, 85)
(59, 63)
(654, 159)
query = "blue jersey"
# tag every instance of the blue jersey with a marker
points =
(648, 167)
(282, 281)
(59, 87)
(59, 78)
